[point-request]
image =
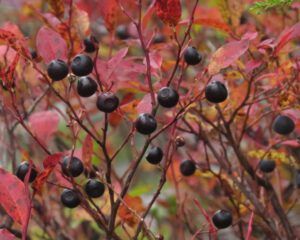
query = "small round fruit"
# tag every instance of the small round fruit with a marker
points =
(33, 54)
(72, 167)
(192, 56)
(155, 155)
(57, 70)
(82, 65)
(167, 97)
(283, 125)
(94, 188)
(86, 86)
(70, 198)
(267, 166)
(89, 45)
(222, 219)
(187, 168)
(23, 169)
(179, 141)
(122, 32)
(216, 92)
(107, 102)
(145, 124)
(158, 38)
(243, 19)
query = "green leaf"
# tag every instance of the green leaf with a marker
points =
(263, 6)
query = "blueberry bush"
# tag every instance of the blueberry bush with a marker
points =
(153, 119)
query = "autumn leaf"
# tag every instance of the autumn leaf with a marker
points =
(49, 164)
(87, 150)
(7, 75)
(50, 45)
(44, 124)
(227, 55)
(288, 35)
(57, 7)
(214, 23)
(169, 11)
(6, 235)
(13, 197)
(18, 44)
(145, 106)
(126, 210)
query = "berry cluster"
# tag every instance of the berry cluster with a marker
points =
(71, 167)
(167, 97)
(82, 65)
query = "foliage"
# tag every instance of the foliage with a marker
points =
(262, 6)
(215, 88)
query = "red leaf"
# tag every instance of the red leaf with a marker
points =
(13, 197)
(226, 55)
(87, 150)
(292, 143)
(7, 75)
(286, 36)
(44, 124)
(60, 179)
(49, 164)
(50, 45)
(210, 22)
(17, 43)
(144, 105)
(6, 235)
(250, 226)
(107, 69)
(169, 11)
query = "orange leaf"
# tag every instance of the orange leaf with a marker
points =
(87, 151)
(49, 164)
(209, 22)
(57, 7)
(126, 210)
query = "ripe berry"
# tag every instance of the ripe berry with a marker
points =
(192, 56)
(22, 170)
(283, 125)
(167, 97)
(145, 124)
(86, 86)
(82, 65)
(57, 70)
(187, 168)
(158, 38)
(73, 167)
(70, 198)
(33, 54)
(216, 92)
(107, 102)
(267, 166)
(89, 44)
(122, 32)
(155, 155)
(243, 19)
(222, 219)
(94, 188)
